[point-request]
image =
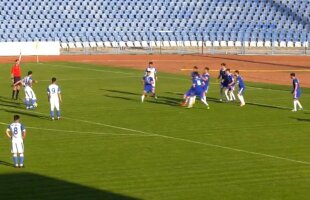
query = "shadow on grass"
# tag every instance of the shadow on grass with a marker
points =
(6, 164)
(301, 119)
(268, 106)
(123, 92)
(29, 186)
(27, 113)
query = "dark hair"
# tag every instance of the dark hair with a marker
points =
(195, 67)
(196, 74)
(223, 64)
(53, 79)
(227, 70)
(16, 117)
(16, 60)
(237, 71)
(29, 72)
(207, 68)
(151, 63)
(293, 74)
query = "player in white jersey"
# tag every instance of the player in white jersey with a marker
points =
(152, 73)
(17, 133)
(54, 97)
(30, 97)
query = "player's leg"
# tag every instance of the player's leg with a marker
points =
(57, 106)
(52, 103)
(17, 91)
(232, 95)
(14, 152)
(191, 101)
(221, 91)
(143, 96)
(20, 150)
(204, 100)
(226, 94)
(13, 92)
(240, 97)
(154, 93)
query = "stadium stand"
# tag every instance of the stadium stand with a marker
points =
(137, 23)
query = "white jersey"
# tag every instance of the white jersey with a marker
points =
(17, 130)
(152, 70)
(27, 81)
(53, 90)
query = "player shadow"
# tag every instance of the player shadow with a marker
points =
(29, 186)
(119, 97)
(26, 113)
(122, 92)
(4, 163)
(267, 106)
(301, 119)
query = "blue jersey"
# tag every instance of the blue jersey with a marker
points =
(206, 79)
(148, 80)
(296, 86)
(222, 74)
(198, 84)
(27, 81)
(240, 82)
(193, 75)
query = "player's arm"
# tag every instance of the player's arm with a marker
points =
(294, 88)
(24, 134)
(59, 97)
(8, 133)
(48, 96)
(18, 82)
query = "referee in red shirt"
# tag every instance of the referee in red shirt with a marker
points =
(15, 77)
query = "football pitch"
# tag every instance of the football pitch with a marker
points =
(108, 145)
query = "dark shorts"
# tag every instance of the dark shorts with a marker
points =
(16, 79)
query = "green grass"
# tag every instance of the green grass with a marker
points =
(110, 146)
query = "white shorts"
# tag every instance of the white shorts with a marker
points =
(17, 146)
(54, 104)
(29, 94)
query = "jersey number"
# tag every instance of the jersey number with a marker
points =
(15, 131)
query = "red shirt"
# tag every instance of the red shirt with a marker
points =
(16, 70)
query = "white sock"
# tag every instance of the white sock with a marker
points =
(203, 100)
(191, 102)
(142, 98)
(226, 94)
(232, 96)
(295, 104)
(298, 103)
(241, 99)
(194, 100)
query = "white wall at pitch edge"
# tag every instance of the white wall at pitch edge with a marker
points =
(29, 48)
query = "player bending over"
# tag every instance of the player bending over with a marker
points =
(54, 98)
(296, 93)
(30, 97)
(241, 85)
(191, 90)
(231, 89)
(148, 82)
(198, 90)
(17, 133)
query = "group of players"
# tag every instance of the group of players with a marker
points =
(200, 85)
(17, 131)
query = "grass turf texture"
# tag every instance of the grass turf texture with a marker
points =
(110, 146)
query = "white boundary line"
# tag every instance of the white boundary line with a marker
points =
(188, 141)
(92, 133)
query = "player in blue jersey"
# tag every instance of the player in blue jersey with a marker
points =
(198, 85)
(148, 83)
(17, 133)
(206, 79)
(191, 90)
(239, 81)
(228, 80)
(221, 78)
(296, 93)
(231, 88)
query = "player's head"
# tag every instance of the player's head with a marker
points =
(29, 73)
(227, 71)
(237, 73)
(151, 64)
(53, 80)
(16, 118)
(223, 65)
(195, 68)
(17, 61)
(148, 73)
(207, 69)
(293, 75)
(196, 75)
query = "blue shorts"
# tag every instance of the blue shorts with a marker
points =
(190, 92)
(297, 94)
(148, 88)
(205, 88)
(241, 91)
(200, 93)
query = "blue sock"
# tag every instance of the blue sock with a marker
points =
(21, 160)
(52, 114)
(27, 103)
(15, 159)
(33, 101)
(58, 113)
